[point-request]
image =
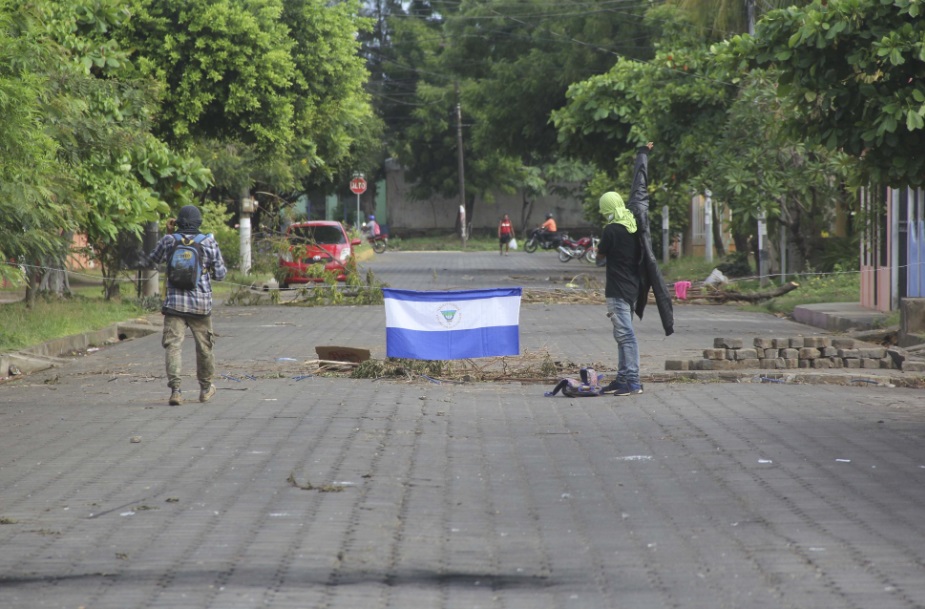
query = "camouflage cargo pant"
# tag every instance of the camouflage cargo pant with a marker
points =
(172, 340)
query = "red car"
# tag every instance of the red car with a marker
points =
(315, 242)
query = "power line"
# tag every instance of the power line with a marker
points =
(555, 37)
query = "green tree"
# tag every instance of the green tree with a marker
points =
(334, 120)
(524, 54)
(852, 78)
(79, 155)
(431, 151)
(225, 67)
(269, 88)
(678, 99)
(720, 19)
(124, 177)
(757, 170)
(716, 128)
(392, 49)
(392, 80)
(511, 63)
(33, 180)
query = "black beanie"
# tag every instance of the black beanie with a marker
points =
(189, 219)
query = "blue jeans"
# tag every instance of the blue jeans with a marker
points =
(621, 316)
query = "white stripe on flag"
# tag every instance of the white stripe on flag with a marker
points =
(452, 324)
(452, 314)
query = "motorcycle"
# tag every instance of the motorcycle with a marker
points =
(541, 238)
(583, 249)
(591, 253)
(379, 242)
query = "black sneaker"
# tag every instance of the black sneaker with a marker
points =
(614, 387)
(631, 389)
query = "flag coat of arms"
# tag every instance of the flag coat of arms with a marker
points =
(454, 324)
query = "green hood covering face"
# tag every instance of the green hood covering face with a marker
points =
(615, 212)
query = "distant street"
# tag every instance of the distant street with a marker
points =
(465, 270)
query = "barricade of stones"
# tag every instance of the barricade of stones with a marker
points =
(817, 352)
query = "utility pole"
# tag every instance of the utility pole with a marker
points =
(462, 175)
(763, 254)
(783, 253)
(248, 206)
(708, 221)
(666, 252)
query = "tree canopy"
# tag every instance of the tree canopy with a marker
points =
(276, 85)
(33, 180)
(716, 128)
(852, 77)
(678, 99)
(115, 112)
(507, 65)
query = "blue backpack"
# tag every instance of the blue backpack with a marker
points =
(184, 263)
(589, 385)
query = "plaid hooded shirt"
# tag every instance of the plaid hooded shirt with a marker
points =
(196, 302)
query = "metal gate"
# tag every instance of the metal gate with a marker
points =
(892, 246)
(915, 244)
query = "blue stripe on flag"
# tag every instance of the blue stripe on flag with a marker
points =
(459, 344)
(445, 295)
(452, 324)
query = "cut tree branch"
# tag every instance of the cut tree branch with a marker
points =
(722, 296)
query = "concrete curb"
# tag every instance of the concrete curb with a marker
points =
(49, 354)
(847, 316)
(790, 378)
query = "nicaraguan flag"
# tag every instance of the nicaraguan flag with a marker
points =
(455, 324)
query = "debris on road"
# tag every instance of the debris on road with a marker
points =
(342, 354)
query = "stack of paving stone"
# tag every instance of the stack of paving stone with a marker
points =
(817, 352)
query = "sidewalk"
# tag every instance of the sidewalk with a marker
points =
(839, 316)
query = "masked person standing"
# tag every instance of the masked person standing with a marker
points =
(191, 306)
(623, 252)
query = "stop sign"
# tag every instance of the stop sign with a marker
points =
(358, 186)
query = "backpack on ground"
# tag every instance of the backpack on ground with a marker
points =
(184, 264)
(588, 386)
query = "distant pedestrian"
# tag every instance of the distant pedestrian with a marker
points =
(621, 248)
(190, 308)
(505, 234)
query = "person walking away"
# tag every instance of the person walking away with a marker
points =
(190, 306)
(621, 248)
(505, 234)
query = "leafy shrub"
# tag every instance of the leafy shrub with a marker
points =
(842, 253)
(736, 265)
